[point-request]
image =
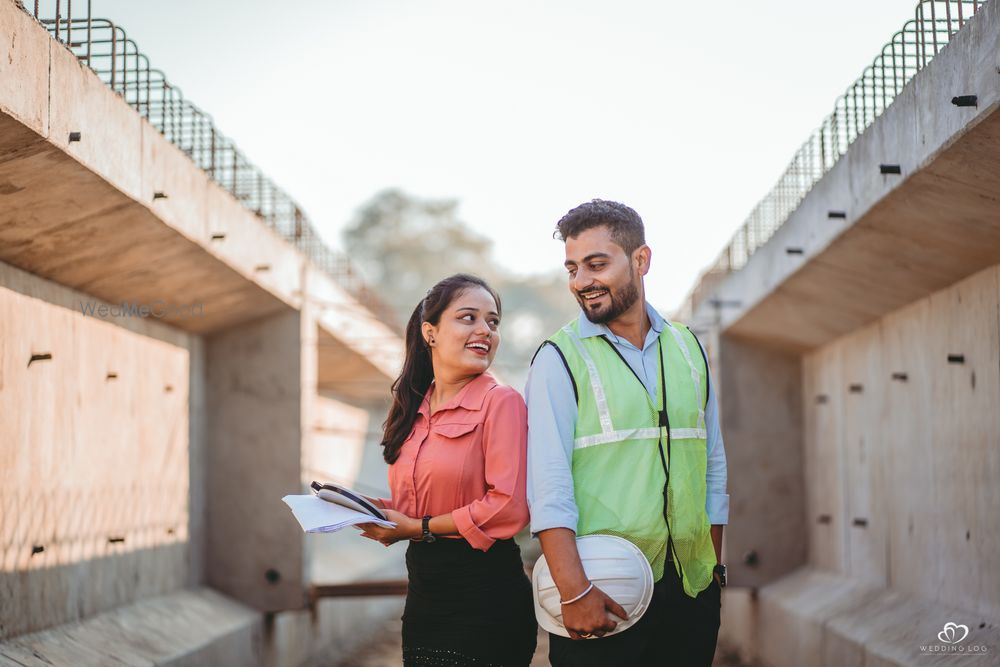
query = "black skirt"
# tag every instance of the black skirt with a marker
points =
(467, 607)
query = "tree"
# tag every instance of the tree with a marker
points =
(404, 245)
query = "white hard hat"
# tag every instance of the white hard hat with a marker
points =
(614, 565)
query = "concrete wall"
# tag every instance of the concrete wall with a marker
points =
(893, 317)
(916, 454)
(95, 470)
(761, 422)
(149, 454)
(900, 476)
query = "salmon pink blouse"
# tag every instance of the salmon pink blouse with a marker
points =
(469, 459)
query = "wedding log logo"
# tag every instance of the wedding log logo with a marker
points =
(947, 635)
(951, 636)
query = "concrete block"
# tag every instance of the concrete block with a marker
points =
(738, 630)
(186, 628)
(793, 612)
(896, 629)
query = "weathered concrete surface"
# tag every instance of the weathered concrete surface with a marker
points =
(111, 132)
(83, 213)
(905, 236)
(158, 420)
(255, 548)
(761, 420)
(895, 315)
(915, 455)
(94, 463)
(24, 63)
(901, 466)
(61, 221)
(189, 628)
(377, 349)
(336, 627)
(817, 618)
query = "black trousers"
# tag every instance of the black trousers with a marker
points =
(467, 607)
(676, 630)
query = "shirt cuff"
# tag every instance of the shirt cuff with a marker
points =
(546, 520)
(553, 515)
(717, 507)
(472, 533)
(386, 503)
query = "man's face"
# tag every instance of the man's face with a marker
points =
(601, 276)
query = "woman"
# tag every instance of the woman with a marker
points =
(455, 442)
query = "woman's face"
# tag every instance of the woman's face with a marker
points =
(467, 335)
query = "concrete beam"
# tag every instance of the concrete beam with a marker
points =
(339, 315)
(904, 236)
(24, 78)
(83, 213)
(62, 222)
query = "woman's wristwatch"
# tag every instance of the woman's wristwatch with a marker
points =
(720, 574)
(426, 534)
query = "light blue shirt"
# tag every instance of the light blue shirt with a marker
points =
(552, 415)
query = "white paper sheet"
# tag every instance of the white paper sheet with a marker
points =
(318, 516)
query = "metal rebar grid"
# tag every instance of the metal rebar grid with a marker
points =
(906, 53)
(105, 47)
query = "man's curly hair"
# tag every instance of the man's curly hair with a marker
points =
(622, 222)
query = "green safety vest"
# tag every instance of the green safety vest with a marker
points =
(618, 462)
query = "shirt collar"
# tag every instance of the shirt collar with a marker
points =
(589, 329)
(470, 397)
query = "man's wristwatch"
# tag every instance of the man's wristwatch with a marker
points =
(427, 535)
(720, 572)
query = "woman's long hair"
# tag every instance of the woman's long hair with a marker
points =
(415, 379)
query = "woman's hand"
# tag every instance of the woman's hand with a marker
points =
(406, 528)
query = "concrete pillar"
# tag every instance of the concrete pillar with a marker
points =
(255, 552)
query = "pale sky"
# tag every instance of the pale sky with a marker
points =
(688, 112)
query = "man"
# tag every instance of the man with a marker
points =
(602, 437)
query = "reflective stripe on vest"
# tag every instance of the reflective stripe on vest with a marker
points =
(608, 434)
(618, 475)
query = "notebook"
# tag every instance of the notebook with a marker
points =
(317, 515)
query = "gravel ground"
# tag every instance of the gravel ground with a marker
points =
(388, 653)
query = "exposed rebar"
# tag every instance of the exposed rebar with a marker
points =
(117, 60)
(907, 52)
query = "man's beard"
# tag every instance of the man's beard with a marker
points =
(620, 301)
